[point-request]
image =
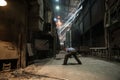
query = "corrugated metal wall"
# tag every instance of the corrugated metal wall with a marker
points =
(90, 17)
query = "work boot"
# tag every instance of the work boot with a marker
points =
(64, 64)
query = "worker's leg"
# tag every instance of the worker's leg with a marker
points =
(66, 58)
(76, 58)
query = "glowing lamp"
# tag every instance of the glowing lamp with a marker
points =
(57, 0)
(57, 7)
(3, 3)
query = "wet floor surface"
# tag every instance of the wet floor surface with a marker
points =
(52, 69)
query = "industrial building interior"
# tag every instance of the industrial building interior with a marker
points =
(35, 33)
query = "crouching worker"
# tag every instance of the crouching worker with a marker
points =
(71, 52)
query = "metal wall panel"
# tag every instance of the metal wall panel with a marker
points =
(41, 44)
(97, 11)
(41, 8)
(111, 2)
(75, 35)
(85, 8)
(68, 39)
(81, 27)
(36, 15)
(86, 22)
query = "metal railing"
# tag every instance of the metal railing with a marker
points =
(104, 52)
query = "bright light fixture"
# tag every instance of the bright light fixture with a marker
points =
(57, 7)
(57, 0)
(55, 19)
(3, 3)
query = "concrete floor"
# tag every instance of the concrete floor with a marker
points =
(52, 69)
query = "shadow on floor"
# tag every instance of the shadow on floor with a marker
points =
(73, 64)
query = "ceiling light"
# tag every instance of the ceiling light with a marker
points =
(57, 8)
(57, 0)
(55, 19)
(3, 3)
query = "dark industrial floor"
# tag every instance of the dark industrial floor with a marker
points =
(52, 69)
